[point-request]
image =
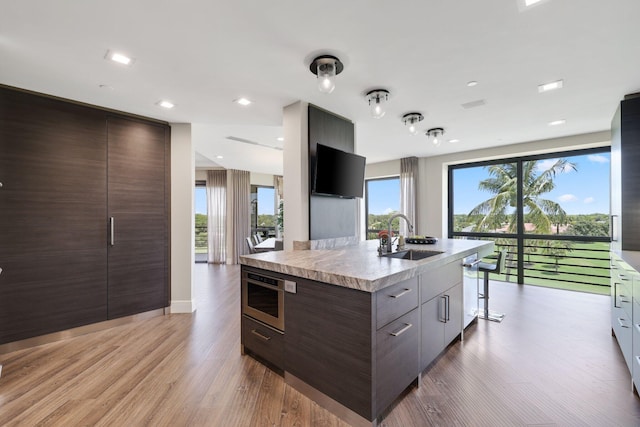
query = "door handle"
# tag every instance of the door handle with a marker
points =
(112, 231)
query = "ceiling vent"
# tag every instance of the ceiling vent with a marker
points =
(474, 104)
(247, 141)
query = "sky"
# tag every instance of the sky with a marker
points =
(383, 195)
(584, 191)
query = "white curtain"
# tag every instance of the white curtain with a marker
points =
(409, 193)
(217, 218)
(278, 185)
(238, 214)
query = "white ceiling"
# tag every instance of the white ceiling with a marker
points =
(202, 55)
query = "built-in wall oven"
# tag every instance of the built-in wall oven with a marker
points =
(263, 298)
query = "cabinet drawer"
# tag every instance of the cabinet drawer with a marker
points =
(263, 341)
(397, 357)
(396, 300)
(439, 280)
(623, 328)
(622, 298)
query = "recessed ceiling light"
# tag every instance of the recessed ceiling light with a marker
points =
(557, 122)
(119, 58)
(280, 139)
(219, 157)
(550, 86)
(453, 141)
(166, 104)
(472, 83)
(242, 101)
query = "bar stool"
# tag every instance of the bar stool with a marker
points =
(487, 268)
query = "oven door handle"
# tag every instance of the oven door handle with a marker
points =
(264, 285)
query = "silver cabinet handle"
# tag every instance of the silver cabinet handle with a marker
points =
(112, 231)
(443, 309)
(259, 335)
(622, 323)
(446, 308)
(615, 295)
(472, 264)
(623, 298)
(406, 291)
(404, 329)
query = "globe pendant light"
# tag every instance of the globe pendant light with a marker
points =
(326, 68)
(410, 120)
(377, 98)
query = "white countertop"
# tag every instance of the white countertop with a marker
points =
(359, 266)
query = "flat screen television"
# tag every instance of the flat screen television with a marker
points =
(338, 173)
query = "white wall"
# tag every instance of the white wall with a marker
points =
(296, 171)
(382, 169)
(433, 185)
(182, 219)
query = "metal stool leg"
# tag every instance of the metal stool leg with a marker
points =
(487, 314)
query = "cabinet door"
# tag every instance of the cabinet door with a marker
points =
(453, 326)
(52, 216)
(432, 318)
(138, 210)
(328, 342)
(397, 357)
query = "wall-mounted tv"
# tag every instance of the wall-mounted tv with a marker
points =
(338, 173)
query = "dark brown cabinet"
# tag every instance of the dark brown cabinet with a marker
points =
(625, 175)
(54, 174)
(138, 217)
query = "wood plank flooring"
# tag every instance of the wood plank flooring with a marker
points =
(552, 361)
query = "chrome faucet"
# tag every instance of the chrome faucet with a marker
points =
(389, 242)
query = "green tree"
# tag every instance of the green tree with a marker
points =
(585, 227)
(501, 207)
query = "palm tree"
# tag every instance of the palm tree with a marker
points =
(542, 213)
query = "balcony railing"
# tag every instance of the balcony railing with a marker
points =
(574, 265)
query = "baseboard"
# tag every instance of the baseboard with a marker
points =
(183, 306)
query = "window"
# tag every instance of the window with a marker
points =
(263, 211)
(382, 201)
(551, 212)
(200, 200)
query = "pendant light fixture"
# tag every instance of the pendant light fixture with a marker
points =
(377, 98)
(326, 68)
(411, 119)
(434, 135)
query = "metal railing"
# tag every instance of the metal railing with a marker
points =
(576, 265)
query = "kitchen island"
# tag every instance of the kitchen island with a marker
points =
(349, 328)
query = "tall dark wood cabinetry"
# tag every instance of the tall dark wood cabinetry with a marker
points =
(625, 175)
(64, 169)
(53, 243)
(138, 216)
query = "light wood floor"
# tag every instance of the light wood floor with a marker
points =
(552, 361)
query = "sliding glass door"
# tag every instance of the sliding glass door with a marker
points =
(551, 212)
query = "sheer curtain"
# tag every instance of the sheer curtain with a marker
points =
(408, 192)
(238, 214)
(278, 185)
(217, 220)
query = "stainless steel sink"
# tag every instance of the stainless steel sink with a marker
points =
(412, 254)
